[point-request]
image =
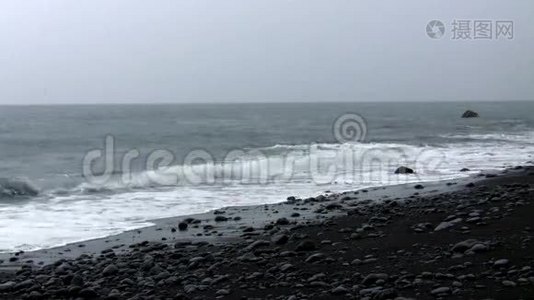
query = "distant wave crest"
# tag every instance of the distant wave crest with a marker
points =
(519, 137)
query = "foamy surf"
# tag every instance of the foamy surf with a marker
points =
(88, 211)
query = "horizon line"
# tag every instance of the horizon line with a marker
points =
(259, 102)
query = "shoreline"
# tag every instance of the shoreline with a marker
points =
(317, 248)
(283, 198)
(248, 216)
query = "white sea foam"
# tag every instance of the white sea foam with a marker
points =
(524, 137)
(94, 211)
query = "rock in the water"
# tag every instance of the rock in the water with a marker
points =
(404, 170)
(470, 114)
(17, 187)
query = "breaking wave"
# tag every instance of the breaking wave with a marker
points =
(17, 187)
(324, 163)
(320, 163)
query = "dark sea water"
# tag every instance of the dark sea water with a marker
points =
(232, 154)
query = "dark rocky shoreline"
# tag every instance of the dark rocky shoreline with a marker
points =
(440, 241)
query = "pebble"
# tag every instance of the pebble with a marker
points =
(306, 245)
(477, 248)
(444, 225)
(464, 245)
(282, 221)
(315, 257)
(222, 292)
(7, 286)
(110, 270)
(501, 263)
(374, 277)
(182, 226)
(280, 239)
(441, 290)
(509, 283)
(220, 218)
(340, 290)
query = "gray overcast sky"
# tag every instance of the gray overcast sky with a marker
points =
(102, 51)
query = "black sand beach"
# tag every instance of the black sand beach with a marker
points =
(463, 239)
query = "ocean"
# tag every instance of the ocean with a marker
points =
(73, 173)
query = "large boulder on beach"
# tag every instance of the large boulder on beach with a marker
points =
(404, 170)
(470, 114)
